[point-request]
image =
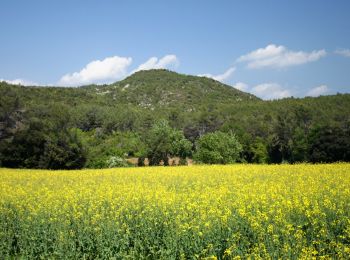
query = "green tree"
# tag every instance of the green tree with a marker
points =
(299, 146)
(63, 150)
(329, 144)
(259, 151)
(164, 142)
(45, 141)
(254, 150)
(279, 147)
(26, 147)
(217, 148)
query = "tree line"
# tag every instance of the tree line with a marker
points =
(97, 133)
(47, 138)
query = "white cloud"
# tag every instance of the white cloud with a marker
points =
(154, 63)
(343, 52)
(265, 91)
(274, 56)
(98, 71)
(270, 91)
(317, 91)
(241, 86)
(104, 71)
(221, 77)
(21, 82)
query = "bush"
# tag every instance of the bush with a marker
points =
(116, 161)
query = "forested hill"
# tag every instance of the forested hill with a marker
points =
(115, 118)
(161, 88)
(153, 89)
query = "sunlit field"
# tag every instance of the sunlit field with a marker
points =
(238, 211)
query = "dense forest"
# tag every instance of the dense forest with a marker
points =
(159, 114)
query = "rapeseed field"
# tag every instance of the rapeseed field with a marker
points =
(195, 212)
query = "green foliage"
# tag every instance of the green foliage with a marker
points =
(280, 144)
(100, 148)
(63, 151)
(329, 144)
(37, 146)
(299, 147)
(259, 151)
(26, 147)
(115, 119)
(180, 145)
(40, 139)
(91, 118)
(254, 150)
(163, 142)
(217, 148)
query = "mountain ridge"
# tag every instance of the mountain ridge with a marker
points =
(150, 77)
(159, 88)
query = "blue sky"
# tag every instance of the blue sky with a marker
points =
(273, 49)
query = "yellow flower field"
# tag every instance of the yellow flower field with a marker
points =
(227, 212)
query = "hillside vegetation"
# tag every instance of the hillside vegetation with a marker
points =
(45, 127)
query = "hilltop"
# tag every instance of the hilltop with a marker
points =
(162, 88)
(150, 89)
